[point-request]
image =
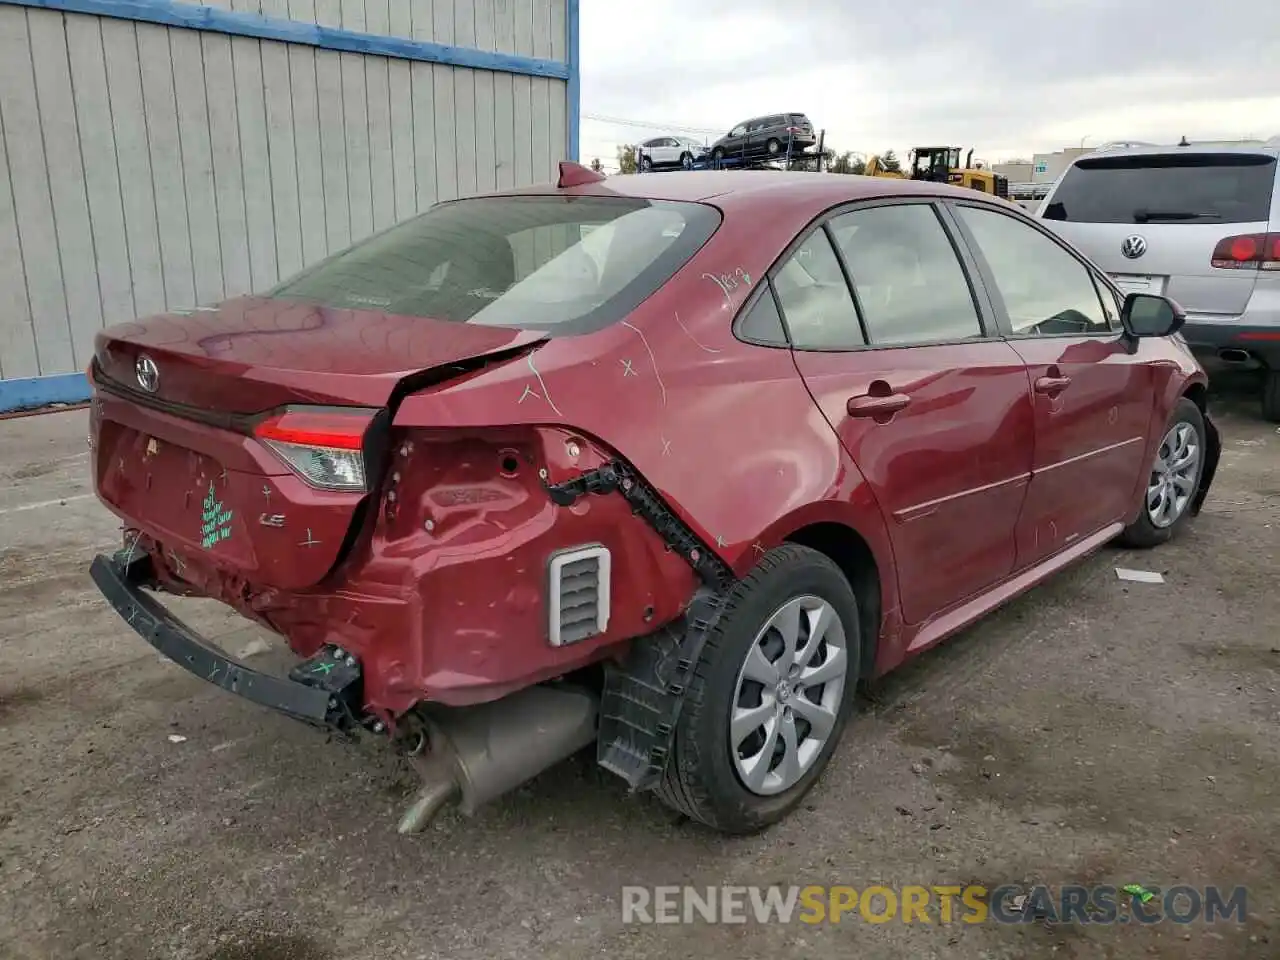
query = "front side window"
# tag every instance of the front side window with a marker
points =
(558, 264)
(1111, 304)
(815, 298)
(911, 286)
(1046, 291)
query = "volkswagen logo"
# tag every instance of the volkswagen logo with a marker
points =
(148, 373)
(1134, 246)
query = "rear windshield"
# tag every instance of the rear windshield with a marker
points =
(1169, 188)
(562, 265)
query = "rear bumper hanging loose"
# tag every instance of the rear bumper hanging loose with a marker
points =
(323, 691)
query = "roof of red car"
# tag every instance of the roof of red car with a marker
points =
(821, 190)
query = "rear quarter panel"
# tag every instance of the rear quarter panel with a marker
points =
(725, 431)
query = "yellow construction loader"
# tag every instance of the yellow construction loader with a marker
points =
(942, 165)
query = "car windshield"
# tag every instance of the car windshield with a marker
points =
(559, 264)
(1166, 188)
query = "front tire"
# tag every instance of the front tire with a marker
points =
(686, 161)
(1271, 396)
(1172, 480)
(774, 147)
(770, 696)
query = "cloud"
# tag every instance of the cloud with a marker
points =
(1005, 76)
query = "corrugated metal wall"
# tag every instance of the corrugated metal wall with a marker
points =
(145, 167)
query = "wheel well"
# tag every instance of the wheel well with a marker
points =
(1198, 394)
(850, 553)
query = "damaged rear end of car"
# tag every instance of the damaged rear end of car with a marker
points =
(443, 578)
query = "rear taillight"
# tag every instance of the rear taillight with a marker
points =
(795, 130)
(323, 446)
(1248, 251)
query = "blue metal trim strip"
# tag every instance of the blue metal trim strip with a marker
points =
(33, 392)
(575, 80)
(216, 20)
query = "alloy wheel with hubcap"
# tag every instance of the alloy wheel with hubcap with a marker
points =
(787, 695)
(1170, 486)
(1174, 475)
(770, 696)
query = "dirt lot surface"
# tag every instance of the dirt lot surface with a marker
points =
(1093, 732)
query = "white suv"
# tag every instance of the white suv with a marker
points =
(670, 152)
(1198, 223)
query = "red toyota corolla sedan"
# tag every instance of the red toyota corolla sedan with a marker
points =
(665, 464)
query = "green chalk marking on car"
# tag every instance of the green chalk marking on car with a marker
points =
(215, 521)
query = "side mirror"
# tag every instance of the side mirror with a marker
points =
(1150, 315)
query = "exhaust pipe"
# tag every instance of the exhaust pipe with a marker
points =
(1234, 355)
(478, 753)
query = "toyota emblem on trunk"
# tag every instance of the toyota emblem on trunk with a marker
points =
(148, 373)
(1134, 246)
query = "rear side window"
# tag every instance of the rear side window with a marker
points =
(1166, 188)
(910, 284)
(762, 323)
(815, 298)
(558, 264)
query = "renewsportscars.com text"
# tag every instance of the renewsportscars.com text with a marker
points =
(936, 903)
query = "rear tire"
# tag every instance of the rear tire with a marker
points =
(1168, 490)
(645, 164)
(717, 155)
(774, 147)
(1271, 396)
(713, 759)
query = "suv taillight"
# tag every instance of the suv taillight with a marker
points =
(323, 446)
(1248, 251)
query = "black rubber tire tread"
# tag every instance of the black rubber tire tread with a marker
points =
(690, 783)
(1142, 534)
(1271, 396)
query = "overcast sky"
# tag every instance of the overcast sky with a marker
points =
(1009, 77)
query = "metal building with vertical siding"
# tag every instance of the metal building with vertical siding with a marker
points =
(157, 154)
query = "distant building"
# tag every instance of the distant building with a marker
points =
(1018, 172)
(1047, 167)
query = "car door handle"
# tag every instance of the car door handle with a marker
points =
(1052, 386)
(869, 405)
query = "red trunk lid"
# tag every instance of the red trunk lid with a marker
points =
(181, 464)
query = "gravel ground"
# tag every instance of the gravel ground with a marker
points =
(1094, 731)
